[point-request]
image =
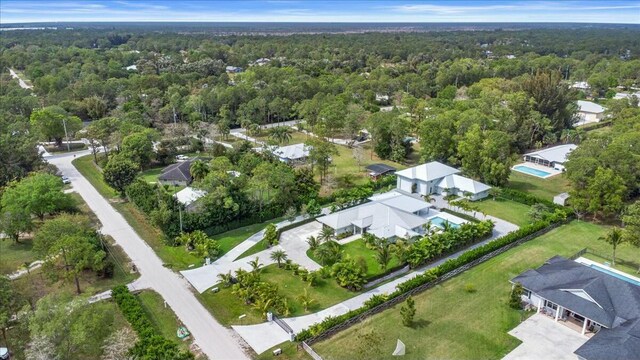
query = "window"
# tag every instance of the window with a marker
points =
(527, 293)
(549, 304)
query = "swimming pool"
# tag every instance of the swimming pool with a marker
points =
(439, 222)
(531, 171)
(614, 274)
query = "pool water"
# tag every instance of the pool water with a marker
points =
(439, 222)
(531, 171)
(614, 274)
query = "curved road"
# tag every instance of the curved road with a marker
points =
(216, 341)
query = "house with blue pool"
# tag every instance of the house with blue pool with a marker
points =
(403, 213)
(602, 304)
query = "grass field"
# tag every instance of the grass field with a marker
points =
(601, 260)
(358, 248)
(14, 255)
(162, 318)
(455, 324)
(232, 238)
(509, 210)
(151, 175)
(543, 188)
(227, 307)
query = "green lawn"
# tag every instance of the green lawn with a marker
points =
(162, 318)
(452, 323)
(14, 255)
(232, 238)
(227, 307)
(358, 248)
(629, 270)
(509, 210)
(151, 175)
(543, 188)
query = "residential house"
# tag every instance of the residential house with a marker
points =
(589, 112)
(378, 170)
(581, 85)
(389, 215)
(437, 178)
(593, 299)
(291, 154)
(233, 69)
(189, 197)
(553, 157)
(178, 174)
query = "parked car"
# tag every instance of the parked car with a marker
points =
(4, 353)
(182, 157)
(66, 180)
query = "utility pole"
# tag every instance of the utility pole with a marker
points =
(180, 212)
(64, 123)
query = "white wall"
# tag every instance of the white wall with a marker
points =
(404, 184)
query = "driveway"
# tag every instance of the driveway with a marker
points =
(543, 338)
(216, 341)
(294, 243)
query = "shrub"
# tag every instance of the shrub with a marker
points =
(515, 299)
(348, 274)
(470, 288)
(408, 312)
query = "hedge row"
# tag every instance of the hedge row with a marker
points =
(150, 345)
(524, 198)
(433, 274)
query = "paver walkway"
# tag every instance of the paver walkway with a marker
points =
(216, 341)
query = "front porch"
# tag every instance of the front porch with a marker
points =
(568, 318)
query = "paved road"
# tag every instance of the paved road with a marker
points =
(216, 341)
(21, 82)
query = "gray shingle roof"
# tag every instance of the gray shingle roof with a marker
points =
(380, 169)
(177, 172)
(620, 343)
(605, 299)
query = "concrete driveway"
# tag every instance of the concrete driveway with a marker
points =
(294, 242)
(543, 338)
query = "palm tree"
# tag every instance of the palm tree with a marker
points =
(614, 238)
(328, 253)
(279, 256)
(428, 198)
(446, 226)
(383, 256)
(199, 169)
(305, 300)
(400, 250)
(313, 242)
(280, 134)
(226, 279)
(326, 234)
(255, 264)
(429, 228)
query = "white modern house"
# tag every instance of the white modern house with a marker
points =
(553, 157)
(437, 178)
(289, 154)
(389, 215)
(589, 112)
(189, 196)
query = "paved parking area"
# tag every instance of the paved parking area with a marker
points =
(543, 338)
(294, 242)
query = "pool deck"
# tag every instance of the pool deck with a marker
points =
(588, 262)
(551, 171)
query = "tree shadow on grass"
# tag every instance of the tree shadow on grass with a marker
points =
(420, 323)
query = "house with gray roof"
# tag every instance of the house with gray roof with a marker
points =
(598, 301)
(589, 112)
(387, 215)
(178, 174)
(437, 178)
(553, 157)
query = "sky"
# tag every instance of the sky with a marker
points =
(587, 11)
